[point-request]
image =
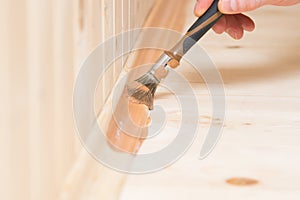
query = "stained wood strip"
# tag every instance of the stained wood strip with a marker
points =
(164, 15)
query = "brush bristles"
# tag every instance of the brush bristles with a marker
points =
(142, 92)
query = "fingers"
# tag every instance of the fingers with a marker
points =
(232, 22)
(231, 25)
(246, 22)
(220, 27)
(280, 2)
(234, 28)
(234, 25)
(201, 6)
(238, 6)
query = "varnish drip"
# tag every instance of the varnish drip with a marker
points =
(242, 181)
(135, 119)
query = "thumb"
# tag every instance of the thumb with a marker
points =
(238, 6)
(201, 6)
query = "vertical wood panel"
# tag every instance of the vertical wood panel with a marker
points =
(41, 86)
(5, 88)
(14, 139)
(14, 110)
(64, 131)
(88, 179)
(43, 44)
(109, 32)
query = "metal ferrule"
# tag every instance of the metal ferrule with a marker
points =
(161, 69)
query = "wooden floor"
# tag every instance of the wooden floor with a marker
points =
(261, 136)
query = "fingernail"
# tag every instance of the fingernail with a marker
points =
(198, 9)
(229, 5)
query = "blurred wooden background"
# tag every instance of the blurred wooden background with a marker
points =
(43, 44)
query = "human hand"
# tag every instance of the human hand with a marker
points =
(233, 22)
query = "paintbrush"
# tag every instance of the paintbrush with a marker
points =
(142, 90)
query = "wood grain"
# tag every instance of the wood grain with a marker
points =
(260, 140)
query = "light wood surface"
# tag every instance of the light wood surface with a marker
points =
(43, 44)
(260, 140)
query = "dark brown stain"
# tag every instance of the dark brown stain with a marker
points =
(81, 15)
(234, 47)
(239, 181)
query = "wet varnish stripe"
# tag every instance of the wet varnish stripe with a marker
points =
(239, 181)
